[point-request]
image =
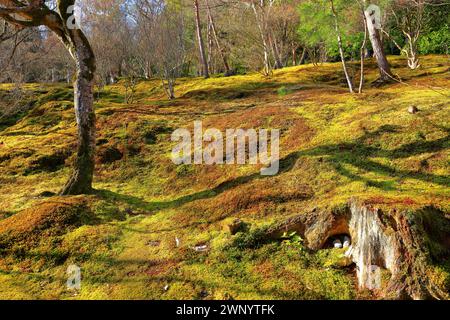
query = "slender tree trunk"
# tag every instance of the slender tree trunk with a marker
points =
(267, 67)
(53, 75)
(363, 53)
(276, 52)
(294, 54)
(413, 56)
(341, 50)
(68, 76)
(201, 47)
(216, 39)
(80, 181)
(171, 89)
(148, 70)
(377, 45)
(209, 41)
(261, 26)
(302, 58)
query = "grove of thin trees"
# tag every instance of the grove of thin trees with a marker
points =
(142, 38)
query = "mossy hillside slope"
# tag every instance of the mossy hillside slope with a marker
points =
(333, 146)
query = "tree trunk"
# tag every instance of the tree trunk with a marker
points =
(209, 40)
(341, 50)
(201, 46)
(303, 57)
(68, 76)
(216, 39)
(363, 53)
(377, 45)
(53, 75)
(413, 55)
(81, 180)
(276, 52)
(262, 31)
(148, 70)
(171, 89)
(294, 54)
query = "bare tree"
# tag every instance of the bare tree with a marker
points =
(170, 50)
(283, 24)
(201, 46)
(341, 50)
(34, 13)
(110, 36)
(220, 49)
(410, 17)
(146, 16)
(162, 33)
(261, 9)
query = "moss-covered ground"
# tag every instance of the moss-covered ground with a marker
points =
(334, 146)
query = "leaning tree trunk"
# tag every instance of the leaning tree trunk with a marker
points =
(216, 39)
(303, 56)
(377, 45)
(276, 52)
(80, 181)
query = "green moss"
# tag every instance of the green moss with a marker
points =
(333, 258)
(334, 146)
(252, 239)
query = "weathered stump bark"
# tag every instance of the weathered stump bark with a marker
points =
(397, 241)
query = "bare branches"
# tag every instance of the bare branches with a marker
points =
(410, 18)
(29, 14)
(34, 13)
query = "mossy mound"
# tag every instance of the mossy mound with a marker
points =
(43, 222)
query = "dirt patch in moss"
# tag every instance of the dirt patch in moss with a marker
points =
(108, 154)
(49, 162)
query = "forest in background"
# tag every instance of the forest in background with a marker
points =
(141, 39)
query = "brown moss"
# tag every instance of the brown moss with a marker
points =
(257, 198)
(45, 220)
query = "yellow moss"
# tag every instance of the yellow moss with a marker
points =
(336, 146)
